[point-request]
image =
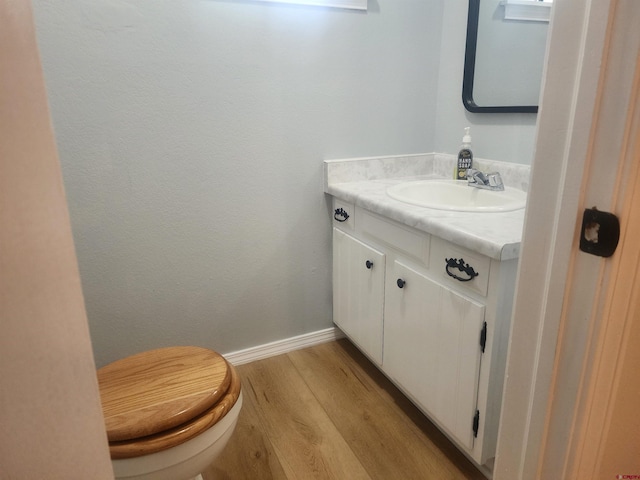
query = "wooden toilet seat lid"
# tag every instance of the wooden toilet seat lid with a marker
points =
(154, 391)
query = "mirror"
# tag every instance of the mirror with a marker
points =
(504, 57)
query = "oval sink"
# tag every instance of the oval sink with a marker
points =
(457, 196)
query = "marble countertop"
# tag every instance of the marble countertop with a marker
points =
(496, 235)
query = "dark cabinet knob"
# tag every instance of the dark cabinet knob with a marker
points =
(401, 283)
(369, 264)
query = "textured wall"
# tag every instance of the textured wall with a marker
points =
(509, 137)
(191, 136)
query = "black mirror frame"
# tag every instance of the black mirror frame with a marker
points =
(469, 70)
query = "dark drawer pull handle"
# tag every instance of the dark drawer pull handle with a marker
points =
(340, 215)
(369, 264)
(462, 267)
(401, 283)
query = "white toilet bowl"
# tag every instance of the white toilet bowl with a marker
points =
(169, 412)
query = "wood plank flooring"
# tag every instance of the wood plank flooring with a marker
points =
(326, 412)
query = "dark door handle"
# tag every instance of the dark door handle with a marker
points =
(340, 215)
(461, 266)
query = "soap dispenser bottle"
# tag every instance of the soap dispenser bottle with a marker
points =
(465, 157)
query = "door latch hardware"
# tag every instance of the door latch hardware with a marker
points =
(600, 232)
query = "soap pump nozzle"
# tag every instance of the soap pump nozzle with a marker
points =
(466, 140)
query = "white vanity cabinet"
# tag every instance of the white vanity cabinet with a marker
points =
(432, 348)
(432, 315)
(358, 272)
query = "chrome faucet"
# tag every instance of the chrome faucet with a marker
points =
(488, 181)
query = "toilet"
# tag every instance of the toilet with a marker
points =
(168, 412)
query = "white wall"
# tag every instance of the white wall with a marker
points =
(191, 136)
(509, 137)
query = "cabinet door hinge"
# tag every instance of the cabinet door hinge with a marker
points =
(476, 423)
(483, 336)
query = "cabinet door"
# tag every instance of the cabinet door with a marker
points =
(358, 292)
(432, 348)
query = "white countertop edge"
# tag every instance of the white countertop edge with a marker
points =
(496, 235)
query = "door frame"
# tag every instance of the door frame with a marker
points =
(607, 416)
(577, 164)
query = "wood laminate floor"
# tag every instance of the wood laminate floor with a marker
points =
(326, 412)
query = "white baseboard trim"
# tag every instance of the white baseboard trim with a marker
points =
(283, 346)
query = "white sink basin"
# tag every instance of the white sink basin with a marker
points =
(457, 196)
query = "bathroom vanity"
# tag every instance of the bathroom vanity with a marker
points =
(427, 295)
